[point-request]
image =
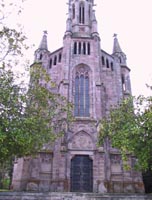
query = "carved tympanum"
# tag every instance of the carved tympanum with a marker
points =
(81, 141)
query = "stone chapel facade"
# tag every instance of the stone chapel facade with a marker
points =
(93, 80)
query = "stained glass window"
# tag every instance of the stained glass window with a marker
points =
(82, 100)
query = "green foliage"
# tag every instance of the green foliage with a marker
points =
(11, 42)
(11, 46)
(29, 118)
(30, 115)
(6, 183)
(5, 174)
(130, 129)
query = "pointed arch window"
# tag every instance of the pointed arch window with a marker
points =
(79, 47)
(50, 64)
(55, 60)
(75, 48)
(81, 13)
(103, 61)
(88, 48)
(60, 57)
(82, 100)
(112, 66)
(41, 56)
(107, 63)
(84, 48)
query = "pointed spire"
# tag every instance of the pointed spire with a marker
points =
(43, 48)
(43, 45)
(117, 51)
(116, 46)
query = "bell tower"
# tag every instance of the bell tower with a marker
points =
(81, 20)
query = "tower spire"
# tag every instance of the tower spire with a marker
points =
(117, 51)
(43, 44)
(116, 46)
(42, 49)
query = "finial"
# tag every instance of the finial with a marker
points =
(45, 32)
(115, 35)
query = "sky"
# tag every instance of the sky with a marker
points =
(130, 19)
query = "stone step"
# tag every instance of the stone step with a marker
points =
(70, 196)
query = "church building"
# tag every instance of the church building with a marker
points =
(93, 81)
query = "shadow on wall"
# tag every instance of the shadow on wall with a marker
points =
(147, 179)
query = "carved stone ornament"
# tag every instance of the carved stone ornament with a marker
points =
(81, 141)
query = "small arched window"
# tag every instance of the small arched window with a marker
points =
(60, 57)
(84, 48)
(103, 60)
(50, 64)
(123, 82)
(107, 63)
(41, 56)
(88, 48)
(75, 48)
(55, 60)
(111, 66)
(79, 47)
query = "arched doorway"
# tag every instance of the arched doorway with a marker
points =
(81, 174)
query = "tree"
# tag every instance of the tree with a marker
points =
(11, 45)
(31, 115)
(11, 34)
(130, 129)
(29, 118)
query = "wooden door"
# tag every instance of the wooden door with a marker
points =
(81, 174)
